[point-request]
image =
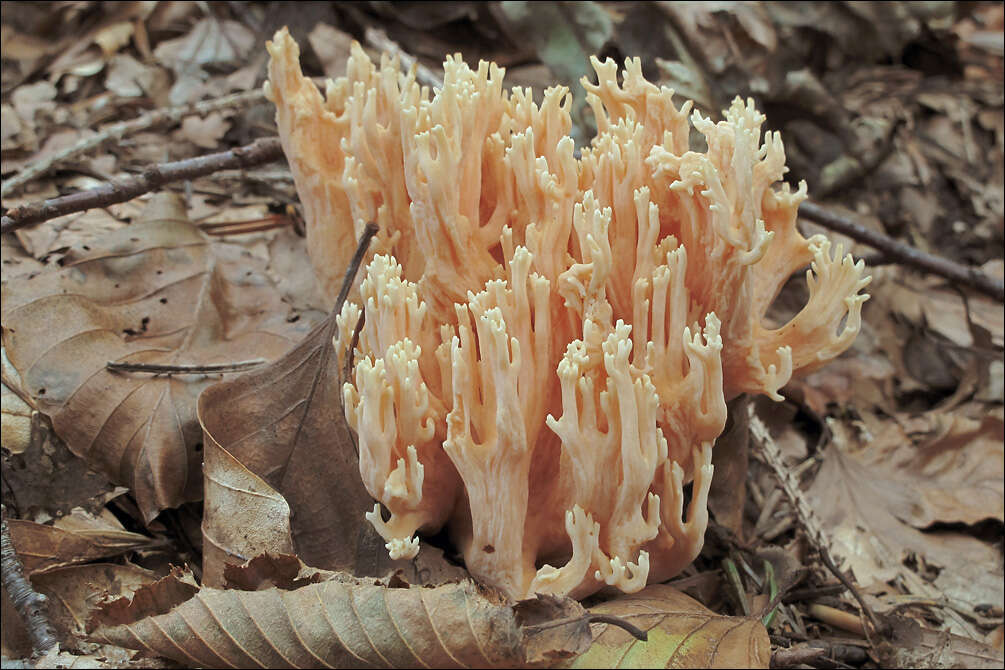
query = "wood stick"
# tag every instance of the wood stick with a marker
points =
(29, 603)
(117, 131)
(904, 253)
(258, 152)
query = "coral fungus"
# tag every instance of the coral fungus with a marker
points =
(550, 339)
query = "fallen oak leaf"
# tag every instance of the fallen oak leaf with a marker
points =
(682, 633)
(155, 292)
(346, 622)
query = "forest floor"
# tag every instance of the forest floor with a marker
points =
(891, 112)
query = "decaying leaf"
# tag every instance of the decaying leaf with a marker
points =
(284, 423)
(155, 292)
(242, 515)
(682, 634)
(43, 548)
(867, 506)
(282, 475)
(46, 480)
(342, 622)
(73, 591)
(913, 646)
(149, 600)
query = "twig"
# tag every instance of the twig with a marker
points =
(733, 578)
(904, 253)
(258, 152)
(846, 621)
(591, 617)
(30, 604)
(808, 519)
(248, 226)
(152, 368)
(378, 39)
(793, 656)
(117, 131)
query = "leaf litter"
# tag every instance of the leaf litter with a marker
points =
(908, 423)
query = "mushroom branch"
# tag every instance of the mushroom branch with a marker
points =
(549, 341)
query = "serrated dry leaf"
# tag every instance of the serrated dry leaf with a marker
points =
(682, 634)
(337, 623)
(44, 548)
(155, 292)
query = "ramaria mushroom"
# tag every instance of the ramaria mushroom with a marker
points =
(550, 340)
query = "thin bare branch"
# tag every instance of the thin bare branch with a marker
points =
(117, 131)
(903, 253)
(258, 152)
(592, 617)
(804, 512)
(152, 368)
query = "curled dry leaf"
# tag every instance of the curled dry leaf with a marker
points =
(682, 634)
(281, 468)
(155, 292)
(284, 424)
(340, 623)
(282, 476)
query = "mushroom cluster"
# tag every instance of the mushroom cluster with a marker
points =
(550, 338)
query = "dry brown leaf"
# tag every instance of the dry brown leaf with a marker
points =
(283, 571)
(41, 477)
(242, 514)
(155, 292)
(149, 600)
(290, 269)
(44, 548)
(204, 132)
(340, 623)
(859, 502)
(682, 634)
(277, 436)
(730, 458)
(913, 646)
(954, 469)
(73, 591)
(282, 474)
(331, 46)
